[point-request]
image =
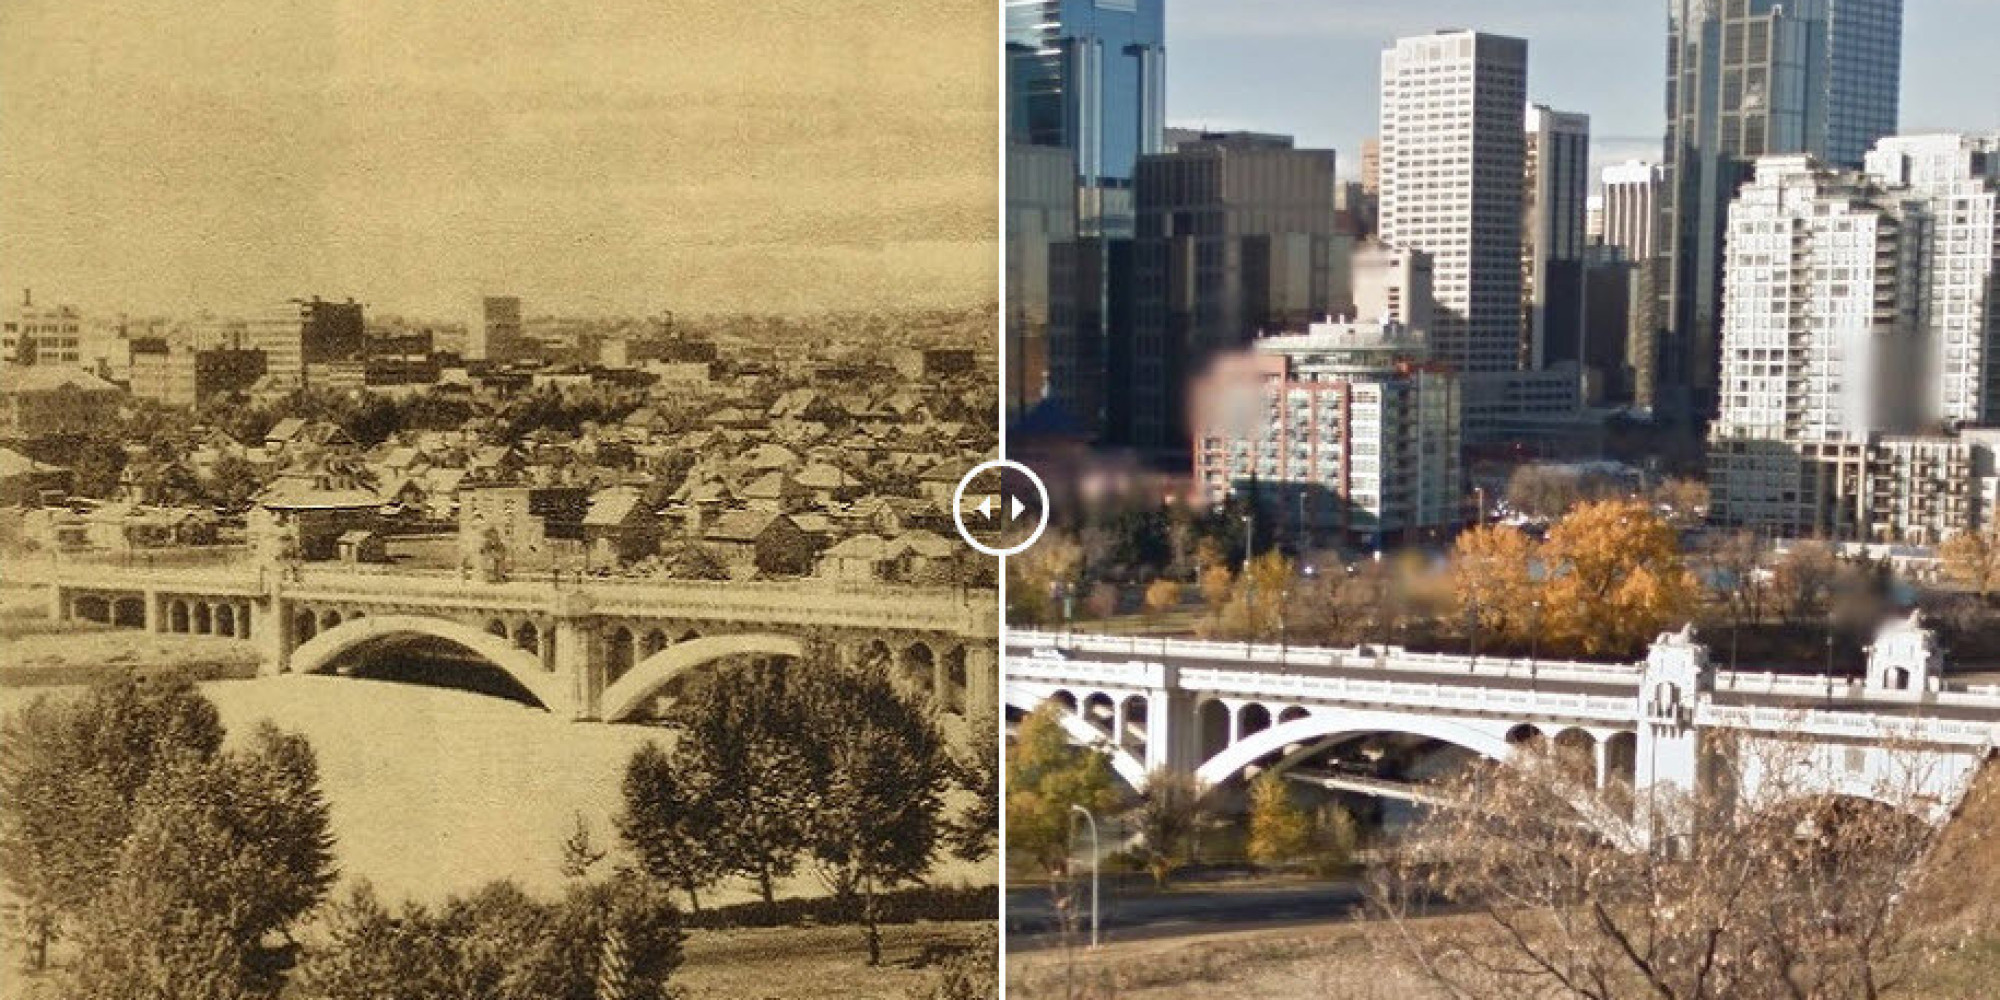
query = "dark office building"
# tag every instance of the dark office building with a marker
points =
(1235, 234)
(331, 331)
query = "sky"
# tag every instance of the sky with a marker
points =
(615, 156)
(1311, 68)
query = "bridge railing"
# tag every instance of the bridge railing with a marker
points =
(1527, 703)
(1352, 658)
(1848, 723)
(1397, 692)
(1851, 690)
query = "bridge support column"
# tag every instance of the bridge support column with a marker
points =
(577, 656)
(1602, 751)
(274, 640)
(982, 679)
(58, 603)
(1173, 732)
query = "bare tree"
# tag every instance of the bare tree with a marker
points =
(1802, 581)
(1762, 886)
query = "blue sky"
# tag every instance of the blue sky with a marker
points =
(1309, 67)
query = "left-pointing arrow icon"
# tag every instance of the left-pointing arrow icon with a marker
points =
(985, 508)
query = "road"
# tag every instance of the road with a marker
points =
(1131, 910)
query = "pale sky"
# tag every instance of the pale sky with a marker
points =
(1311, 68)
(609, 156)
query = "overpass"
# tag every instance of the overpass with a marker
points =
(1222, 710)
(590, 648)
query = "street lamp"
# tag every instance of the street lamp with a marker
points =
(1249, 582)
(1534, 639)
(1829, 656)
(1381, 607)
(1078, 810)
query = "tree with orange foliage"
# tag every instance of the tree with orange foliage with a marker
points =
(1490, 580)
(1615, 578)
(1973, 559)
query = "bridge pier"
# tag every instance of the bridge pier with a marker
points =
(982, 679)
(577, 657)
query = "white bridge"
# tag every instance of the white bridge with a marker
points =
(1220, 710)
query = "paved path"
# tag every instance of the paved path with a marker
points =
(1138, 912)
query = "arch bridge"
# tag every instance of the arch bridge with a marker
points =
(592, 649)
(1224, 711)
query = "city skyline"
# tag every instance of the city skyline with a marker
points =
(1307, 68)
(588, 162)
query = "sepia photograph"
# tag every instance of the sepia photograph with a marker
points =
(1525, 499)
(478, 500)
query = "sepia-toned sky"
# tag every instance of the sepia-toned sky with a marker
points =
(609, 156)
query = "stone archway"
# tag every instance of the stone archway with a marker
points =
(626, 695)
(324, 651)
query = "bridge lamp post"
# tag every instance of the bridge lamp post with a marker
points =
(1077, 810)
(1534, 640)
(1381, 607)
(1829, 656)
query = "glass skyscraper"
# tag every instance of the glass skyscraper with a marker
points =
(1751, 78)
(1089, 76)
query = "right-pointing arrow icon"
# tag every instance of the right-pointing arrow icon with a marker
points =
(1015, 507)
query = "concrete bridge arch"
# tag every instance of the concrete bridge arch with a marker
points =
(1081, 732)
(321, 652)
(1487, 738)
(634, 687)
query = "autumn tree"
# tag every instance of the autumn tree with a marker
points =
(1279, 829)
(1046, 776)
(1615, 579)
(1972, 558)
(1167, 817)
(1333, 839)
(1492, 582)
(1102, 602)
(1255, 608)
(1035, 577)
(1161, 597)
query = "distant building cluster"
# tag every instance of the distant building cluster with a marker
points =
(747, 452)
(1793, 283)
